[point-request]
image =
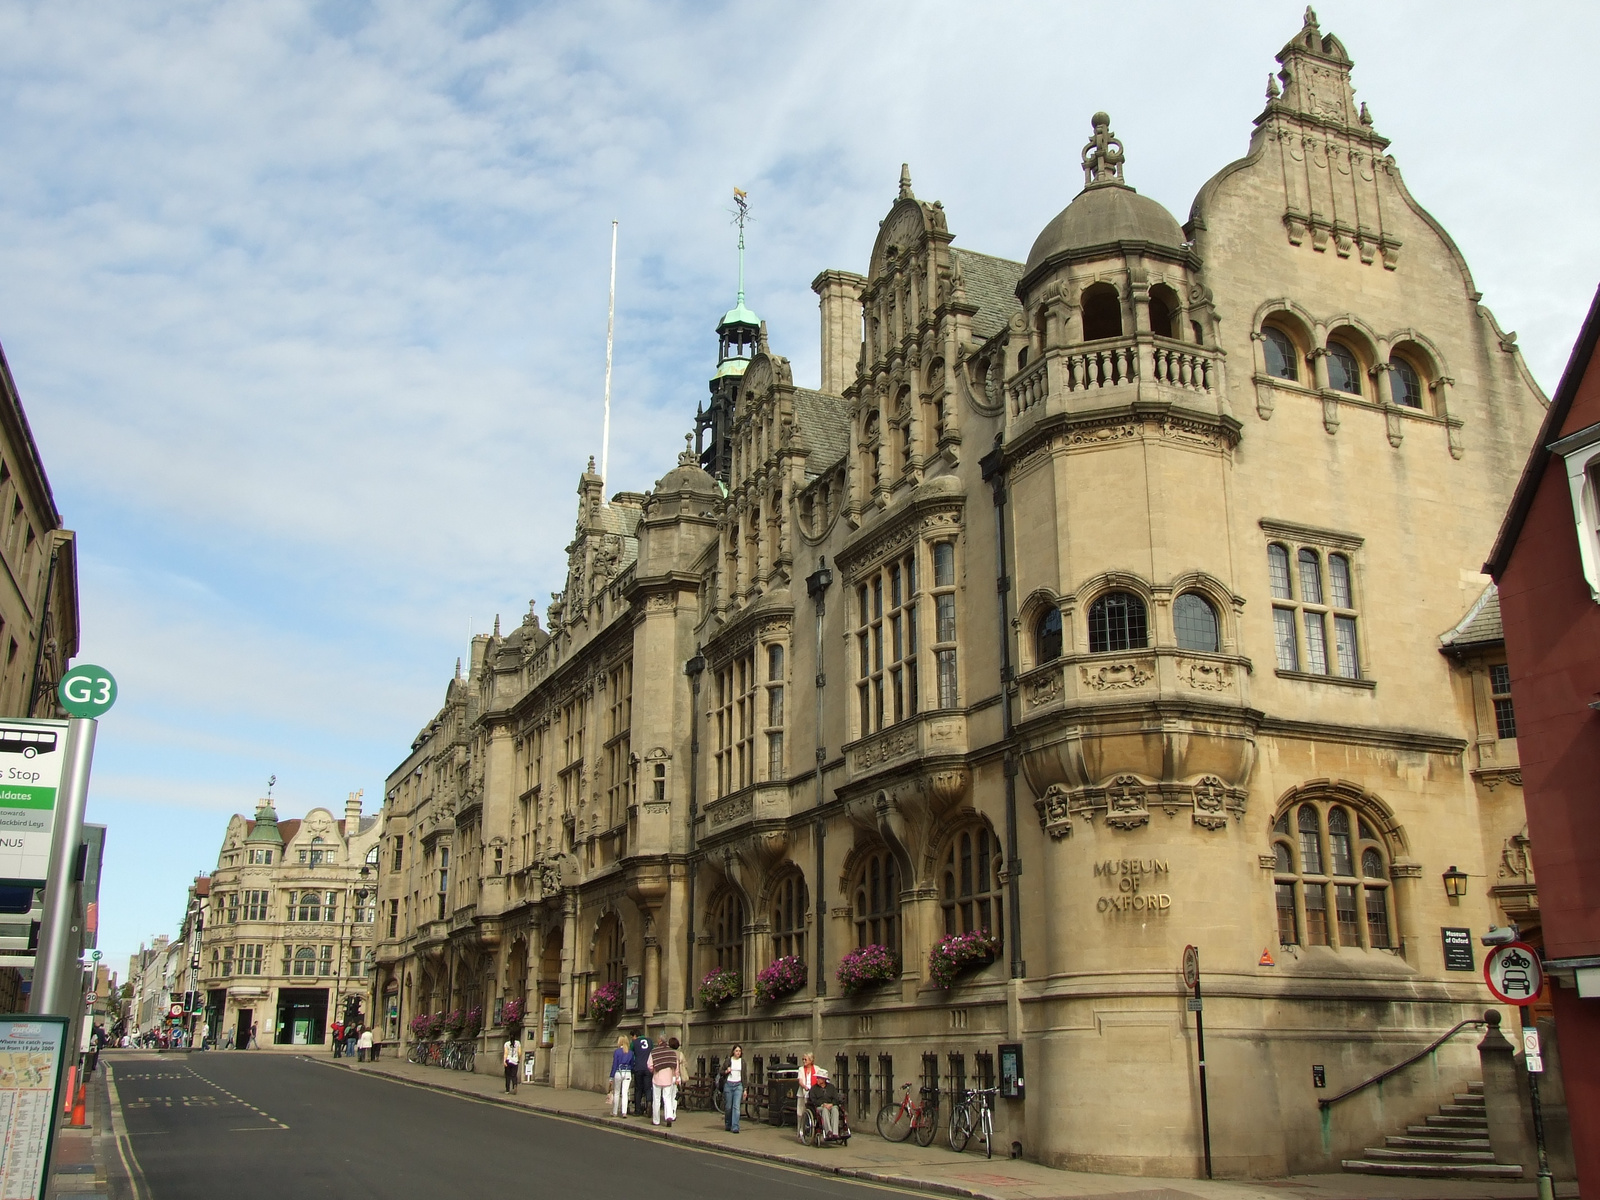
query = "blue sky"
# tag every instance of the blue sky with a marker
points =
(306, 302)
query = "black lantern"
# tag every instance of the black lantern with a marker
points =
(1455, 883)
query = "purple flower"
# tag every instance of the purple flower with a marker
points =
(959, 952)
(867, 966)
(782, 977)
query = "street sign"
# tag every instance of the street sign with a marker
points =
(175, 1011)
(87, 691)
(32, 754)
(33, 1053)
(95, 955)
(1193, 1004)
(1513, 973)
(1530, 1047)
(1457, 949)
(1191, 966)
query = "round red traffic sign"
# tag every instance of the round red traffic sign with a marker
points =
(1513, 973)
(1191, 966)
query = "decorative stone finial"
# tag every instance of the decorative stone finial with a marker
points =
(905, 182)
(497, 625)
(1311, 18)
(1103, 156)
(761, 340)
(1273, 91)
(1366, 117)
(686, 457)
(589, 470)
(458, 666)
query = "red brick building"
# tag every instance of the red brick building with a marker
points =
(1547, 564)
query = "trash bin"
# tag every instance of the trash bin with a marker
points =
(783, 1085)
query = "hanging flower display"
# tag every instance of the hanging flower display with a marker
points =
(718, 987)
(473, 1024)
(957, 953)
(782, 977)
(605, 1002)
(426, 1026)
(511, 1013)
(866, 967)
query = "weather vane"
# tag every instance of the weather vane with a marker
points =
(271, 780)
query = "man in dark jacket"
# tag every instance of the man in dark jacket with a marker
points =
(824, 1097)
(641, 1074)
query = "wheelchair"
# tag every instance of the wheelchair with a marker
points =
(811, 1131)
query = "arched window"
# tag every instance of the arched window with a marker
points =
(789, 918)
(305, 960)
(1047, 636)
(1344, 369)
(1282, 357)
(969, 884)
(727, 934)
(1102, 312)
(1163, 311)
(1316, 846)
(1195, 623)
(1117, 622)
(613, 945)
(877, 901)
(1405, 385)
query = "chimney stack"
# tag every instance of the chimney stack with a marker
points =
(839, 295)
(352, 813)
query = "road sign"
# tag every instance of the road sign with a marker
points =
(32, 754)
(95, 955)
(87, 691)
(1513, 973)
(175, 1011)
(1191, 966)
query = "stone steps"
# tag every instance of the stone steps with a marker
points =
(1451, 1144)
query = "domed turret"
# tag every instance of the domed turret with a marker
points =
(1107, 212)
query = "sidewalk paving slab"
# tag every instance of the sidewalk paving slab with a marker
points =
(935, 1169)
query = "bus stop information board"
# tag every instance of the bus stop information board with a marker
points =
(32, 754)
(32, 1050)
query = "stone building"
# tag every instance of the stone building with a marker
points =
(287, 942)
(1094, 602)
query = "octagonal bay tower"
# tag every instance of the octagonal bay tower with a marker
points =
(1251, 435)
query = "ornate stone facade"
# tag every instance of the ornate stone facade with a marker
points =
(1095, 604)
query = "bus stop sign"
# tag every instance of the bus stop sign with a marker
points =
(87, 691)
(1513, 973)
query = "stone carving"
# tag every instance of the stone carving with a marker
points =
(1103, 156)
(889, 746)
(1094, 435)
(1209, 797)
(1205, 676)
(1043, 691)
(1052, 807)
(1128, 806)
(731, 810)
(1516, 859)
(1117, 677)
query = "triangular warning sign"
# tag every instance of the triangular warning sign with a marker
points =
(1266, 958)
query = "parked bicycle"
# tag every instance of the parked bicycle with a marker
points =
(460, 1056)
(973, 1114)
(898, 1120)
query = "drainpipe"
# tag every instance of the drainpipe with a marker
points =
(692, 669)
(817, 588)
(993, 466)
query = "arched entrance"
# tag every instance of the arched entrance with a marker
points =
(545, 1020)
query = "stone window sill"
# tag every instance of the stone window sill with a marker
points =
(1308, 677)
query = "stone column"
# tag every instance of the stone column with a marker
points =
(839, 297)
(652, 976)
(1509, 1137)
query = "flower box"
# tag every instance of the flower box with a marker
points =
(957, 953)
(866, 967)
(455, 1022)
(511, 1013)
(782, 977)
(605, 1002)
(718, 987)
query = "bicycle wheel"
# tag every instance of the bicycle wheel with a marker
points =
(928, 1124)
(960, 1127)
(895, 1121)
(988, 1132)
(718, 1100)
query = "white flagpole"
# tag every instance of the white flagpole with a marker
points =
(611, 321)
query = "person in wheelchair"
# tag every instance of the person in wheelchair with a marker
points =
(824, 1112)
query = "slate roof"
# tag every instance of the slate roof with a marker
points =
(824, 422)
(991, 284)
(1481, 626)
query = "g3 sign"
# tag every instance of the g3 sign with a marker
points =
(87, 691)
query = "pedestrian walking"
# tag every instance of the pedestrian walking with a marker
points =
(364, 1046)
(666, 1072)
(511, 1056)
(732, 1089)
(352, 1034)
(253, 1044)
(621, 1077)
(642, 1046)
(338, 1038)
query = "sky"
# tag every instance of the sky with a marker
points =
(306, 302)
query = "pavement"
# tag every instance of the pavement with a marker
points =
(870, 1159)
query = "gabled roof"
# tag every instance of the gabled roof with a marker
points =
(991, 284)
(824, 422)
(1554, 419)
(1480, 627)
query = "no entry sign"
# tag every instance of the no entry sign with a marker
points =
(1513, 973)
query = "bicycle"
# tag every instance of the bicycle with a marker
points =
(973, 1113)
(898, 1121)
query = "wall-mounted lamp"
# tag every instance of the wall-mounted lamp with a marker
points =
(1455, 883)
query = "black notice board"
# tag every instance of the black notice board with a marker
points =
(1457, 949)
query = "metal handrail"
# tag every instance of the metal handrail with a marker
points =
(1398, 1067)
